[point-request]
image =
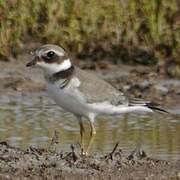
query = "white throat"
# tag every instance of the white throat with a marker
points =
(51, 68)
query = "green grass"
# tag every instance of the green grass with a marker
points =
(125, 31)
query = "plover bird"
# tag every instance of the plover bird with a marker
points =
(80, 92)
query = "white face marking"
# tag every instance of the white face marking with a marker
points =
(51, 68)
(66, 64)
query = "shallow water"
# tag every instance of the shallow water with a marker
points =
(31, 118)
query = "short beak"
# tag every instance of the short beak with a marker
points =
(32, 62)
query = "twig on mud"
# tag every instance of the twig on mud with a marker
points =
(54, 142)
(4, 143)
(131, 156)
(137, 148)
(71, 156)
(35, 152)
(110, 155)
(79, 145)
(138, 152)
(118, 154)
(141, 154)
(81, 149)
(74, 156)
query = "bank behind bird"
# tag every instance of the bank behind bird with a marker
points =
(82, 93)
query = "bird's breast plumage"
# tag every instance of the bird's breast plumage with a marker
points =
(69, 98)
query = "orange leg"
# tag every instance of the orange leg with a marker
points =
(92, 135)
(82, 130)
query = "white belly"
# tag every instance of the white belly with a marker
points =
(68, 99)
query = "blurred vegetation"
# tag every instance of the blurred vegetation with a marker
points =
(123, 31)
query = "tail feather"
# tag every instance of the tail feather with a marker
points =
(154, 107)
(149, 104)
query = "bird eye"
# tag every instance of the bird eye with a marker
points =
(50, 54)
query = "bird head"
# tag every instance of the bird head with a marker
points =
(51, 59)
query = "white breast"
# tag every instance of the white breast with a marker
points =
(68, 98)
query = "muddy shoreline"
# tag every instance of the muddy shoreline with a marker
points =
(49, 163)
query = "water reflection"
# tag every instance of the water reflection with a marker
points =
(30, 119)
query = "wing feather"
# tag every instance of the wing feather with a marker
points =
(96, 89)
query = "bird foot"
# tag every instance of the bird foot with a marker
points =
(84, 153)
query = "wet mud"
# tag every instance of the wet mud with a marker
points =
(51, 163)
